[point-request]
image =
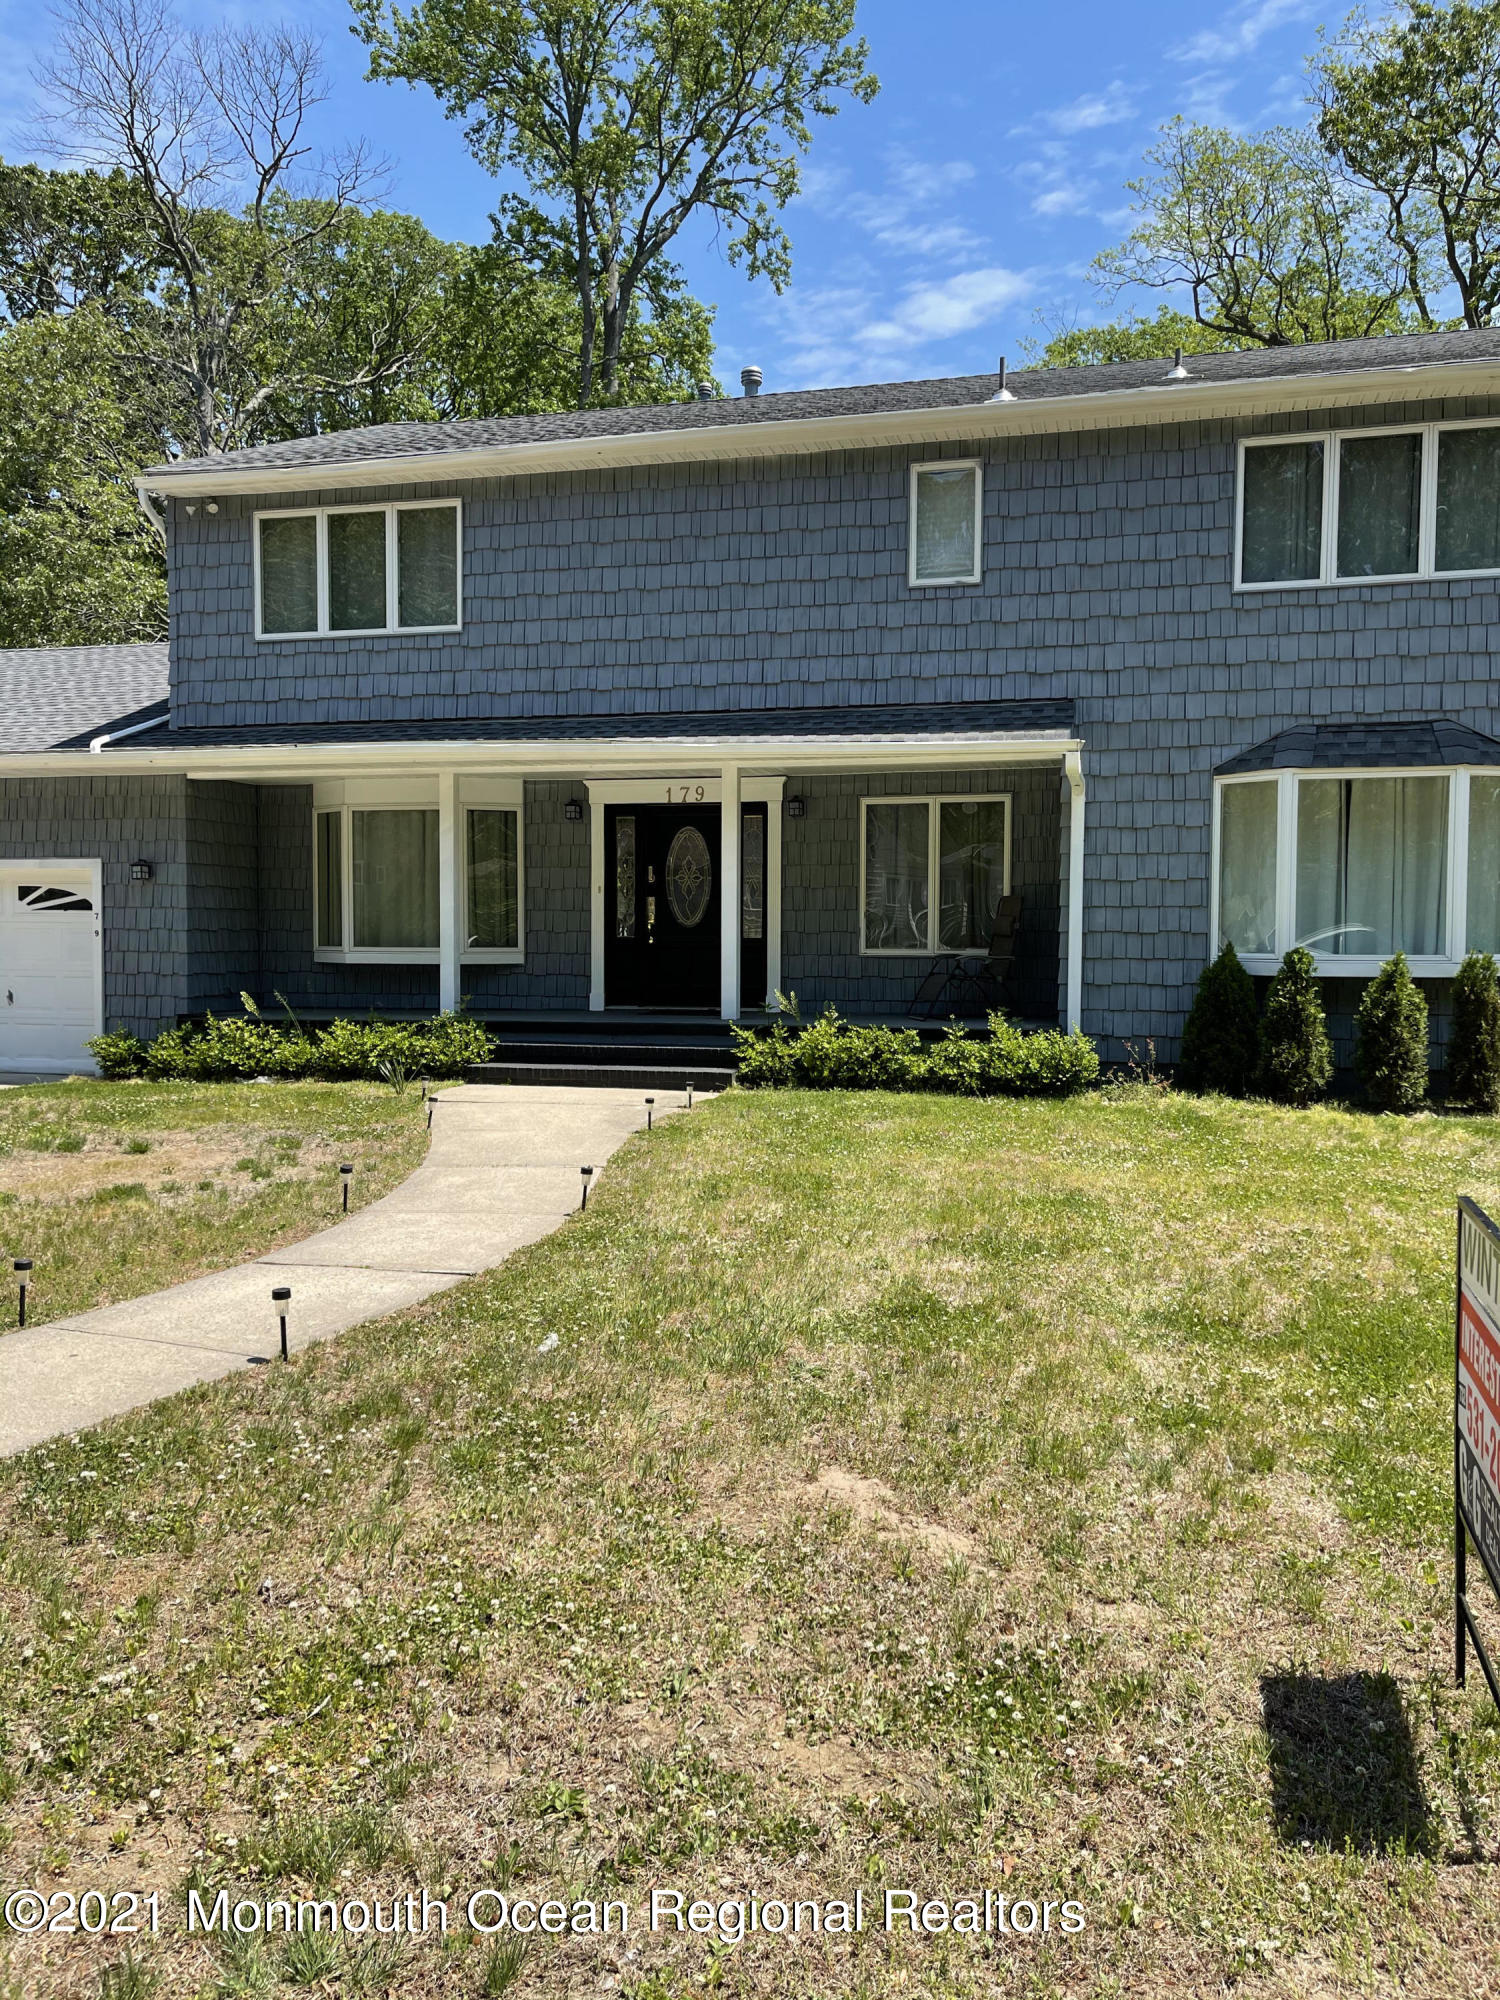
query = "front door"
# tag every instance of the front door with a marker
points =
(661, 927)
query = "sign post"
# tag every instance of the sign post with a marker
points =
(1476, 1424)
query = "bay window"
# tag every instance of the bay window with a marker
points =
(378, 874)
(1421, 500)
(933, 872)
(1355, 866)
(358, 570)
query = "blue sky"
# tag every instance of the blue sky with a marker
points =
(936, 224)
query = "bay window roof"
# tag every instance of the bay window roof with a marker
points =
(1438, 741)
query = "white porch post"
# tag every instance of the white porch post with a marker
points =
(1073, 770)
(729, 893)
(449, 943)
(597, 908)
(775, 813)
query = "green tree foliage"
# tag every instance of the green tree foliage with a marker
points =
(1296, 1058)
(1390, 1038)
(78, 565)
(1474, 1034)
(1270, 243)
(1221, 1037)
(624, 118)
(1410, 110)
(1134, 338)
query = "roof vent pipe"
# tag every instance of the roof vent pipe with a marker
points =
(705, 392)
(1002, 394)
(1177, 373)
(750, 381)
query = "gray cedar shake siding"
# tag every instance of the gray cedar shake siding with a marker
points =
(1108, 579)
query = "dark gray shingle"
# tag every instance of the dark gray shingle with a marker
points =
(57, 697)
(1344, 746)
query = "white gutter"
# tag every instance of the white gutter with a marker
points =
(635, 757)
(1194, 400)
(151, 511)
(97, 743)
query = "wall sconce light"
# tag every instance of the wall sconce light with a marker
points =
(141, 871)
(796, 807)
(573, 809)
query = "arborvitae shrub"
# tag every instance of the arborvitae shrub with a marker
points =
(1296, 1058)
(1474, 1034)
(1390, 1038)
(1221, 1037)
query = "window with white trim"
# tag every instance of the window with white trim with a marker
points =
(1369, 506)
(932, 872)
(377, 874)
(1355, 866)
(354, 570)
(943, 536)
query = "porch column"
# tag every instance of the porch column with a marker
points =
(1073, 771)
(449, 944)
(729, 892)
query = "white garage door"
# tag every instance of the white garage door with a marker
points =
(50, 986)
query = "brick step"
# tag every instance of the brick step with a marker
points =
(634, 1076)
(608, 1054)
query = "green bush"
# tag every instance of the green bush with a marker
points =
(1296, 1058)
(1221, 1036)
(119, 1055)
(1474, 1034)
(833, 1055)
(238, 1048)
(1390, 1038)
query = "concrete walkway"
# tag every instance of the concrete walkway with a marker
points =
(502, 1170)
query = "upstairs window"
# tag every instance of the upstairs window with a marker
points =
(1368, 506)
(944, 529)
(358, 570)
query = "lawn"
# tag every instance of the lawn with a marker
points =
(918, 1494)
(114, 1189)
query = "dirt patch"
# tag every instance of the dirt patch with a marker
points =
(874, 1505)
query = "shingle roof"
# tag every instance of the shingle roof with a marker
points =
(414, 440)
(57, 697)
(981, 720)
(1334, 746)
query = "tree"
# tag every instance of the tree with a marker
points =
(69, 238)
(626, 118)
(1410, 109)
(1474, 1034)
(1134, 338)
(1390, 1038)
(1296, 1060)
(1221, 1037)
(210, 131)
(1271, 244)
(78, 565)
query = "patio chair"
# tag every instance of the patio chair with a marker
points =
(951, 981)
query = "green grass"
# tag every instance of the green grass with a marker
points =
(115, 1189)
(1052, 1498)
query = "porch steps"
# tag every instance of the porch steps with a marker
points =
(627, 1056)
(675, 1076)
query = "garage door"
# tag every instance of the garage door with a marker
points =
(49, 966)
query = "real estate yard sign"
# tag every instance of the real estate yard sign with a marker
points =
(1476, 1421)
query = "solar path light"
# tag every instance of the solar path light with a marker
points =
(346, 1174)
(281, 1299)
(650, 1101)
(588, 1175)
(22, 1267)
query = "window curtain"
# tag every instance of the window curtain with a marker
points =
(1468, 499)
(896, 878)
(1380, 490)
(971, 872)
(493, 882)
(1484, 863)
(1282, 533)
(1372, 856)
(330, 879)
(1247, 867)
(395, 868)
(945, 524)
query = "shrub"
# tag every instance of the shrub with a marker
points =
(1474, 1034)
(767, 1057)
(1390, 1038)
(118, 1055)
(1221, 1036)
(832, 1055)
(1296, 1059)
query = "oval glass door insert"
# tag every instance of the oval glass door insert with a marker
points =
(690, 876)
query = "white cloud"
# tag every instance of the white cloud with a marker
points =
(1089, 112)
(1239, 32)
(842, 332)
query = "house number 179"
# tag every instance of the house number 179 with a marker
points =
(680, 794)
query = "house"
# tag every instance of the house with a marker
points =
(676, 708)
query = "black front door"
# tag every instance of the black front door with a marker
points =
(661, 920)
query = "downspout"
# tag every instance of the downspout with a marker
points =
(1073, 772)
(97, 743)
(152, 513)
